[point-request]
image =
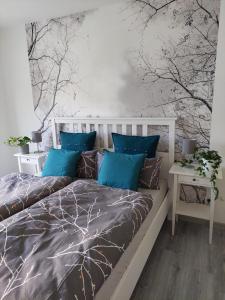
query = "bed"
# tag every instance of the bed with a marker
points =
(43, 235)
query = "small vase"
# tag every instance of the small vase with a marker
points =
(24, 149)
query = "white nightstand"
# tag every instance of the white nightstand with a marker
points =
(183, 175)
(34, 159)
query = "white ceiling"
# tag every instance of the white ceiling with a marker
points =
(14, 11)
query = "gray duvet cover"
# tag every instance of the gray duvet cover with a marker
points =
(18, 191)
(65, 246)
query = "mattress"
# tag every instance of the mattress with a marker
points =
(157, 195)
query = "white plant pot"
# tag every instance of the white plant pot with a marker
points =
(208, 168)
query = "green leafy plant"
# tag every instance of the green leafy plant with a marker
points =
(186, 162)
(17, 141)
(205, 158)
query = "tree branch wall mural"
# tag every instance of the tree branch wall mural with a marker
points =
(151, 58)
(52, 70)
(188, 66)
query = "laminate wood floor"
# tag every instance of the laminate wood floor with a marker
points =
(185, 267)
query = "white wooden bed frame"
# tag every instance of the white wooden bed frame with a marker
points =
(122, 281)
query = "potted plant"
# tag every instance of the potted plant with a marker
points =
(209, 162)
(22, 142)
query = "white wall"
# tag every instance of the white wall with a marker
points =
(16, 113)
(7, 163)
(218, 116)
(16, 80)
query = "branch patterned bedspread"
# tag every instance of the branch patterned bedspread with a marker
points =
(66, 245)
(19, 191)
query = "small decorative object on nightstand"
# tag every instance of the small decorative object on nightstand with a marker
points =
(189, 146)
(183, 175)
(34, 159)
(36, 138)
(188, 150)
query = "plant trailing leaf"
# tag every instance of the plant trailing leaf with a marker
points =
(204, 157)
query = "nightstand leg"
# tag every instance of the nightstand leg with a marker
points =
(175, 193)
(19, 164)
(38, 168)
(178, 198)
(211, 217)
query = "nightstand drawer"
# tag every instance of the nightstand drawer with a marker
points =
(194, 180)
(28, 160)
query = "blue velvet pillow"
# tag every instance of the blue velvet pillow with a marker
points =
(77, 141)
(61, 163)
(121, 170)
(136, 144)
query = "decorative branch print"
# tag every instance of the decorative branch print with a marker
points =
(52, 70)
(183, 73)
(154, 7)
(76, 234)
(19, 191)
(187, 68)
(87, 165)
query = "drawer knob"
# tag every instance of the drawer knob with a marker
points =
(194, 179)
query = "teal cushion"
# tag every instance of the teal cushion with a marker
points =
(61, 163)
(121, 170)
(77, 141)
(136, 144)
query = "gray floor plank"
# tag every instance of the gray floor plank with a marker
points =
(185, 267)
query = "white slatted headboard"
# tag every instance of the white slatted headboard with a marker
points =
(104, 127)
